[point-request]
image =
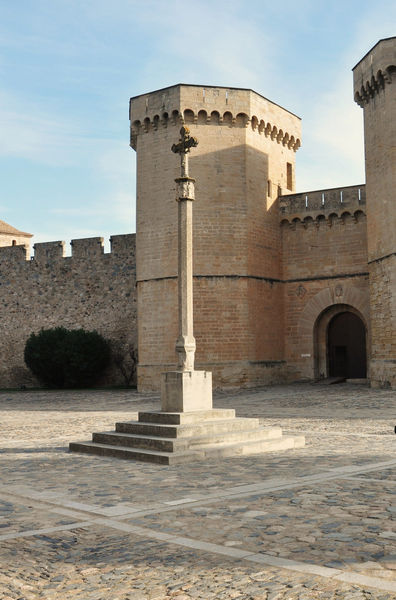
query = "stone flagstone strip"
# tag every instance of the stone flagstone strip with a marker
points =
(272, 485)
(237, 553)
(344, 506)
(302, 567)
(268, 486)
(293, 565)
(375, 582)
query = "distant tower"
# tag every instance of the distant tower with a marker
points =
(374, 79)
(245, 158)
(9, 236)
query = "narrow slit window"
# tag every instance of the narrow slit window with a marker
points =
(289, 176)
(269, 188)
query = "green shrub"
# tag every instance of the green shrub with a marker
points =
(67, 357)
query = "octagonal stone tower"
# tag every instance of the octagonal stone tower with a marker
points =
(374, 79)
(244, 160)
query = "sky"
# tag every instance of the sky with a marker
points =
(69, 67)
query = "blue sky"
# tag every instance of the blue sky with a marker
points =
(68, 69)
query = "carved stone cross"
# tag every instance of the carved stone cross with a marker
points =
(185, 344)
(185, 389)
(183, 147)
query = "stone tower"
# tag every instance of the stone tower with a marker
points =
(374, 80)
(244, 160)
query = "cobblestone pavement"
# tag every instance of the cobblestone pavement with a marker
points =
(317, 522)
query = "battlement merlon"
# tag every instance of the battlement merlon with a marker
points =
(123, 244)
(374, 71)
(14, 254)
(184, 103)
(324, 202)
(85, 247)
(49, 251)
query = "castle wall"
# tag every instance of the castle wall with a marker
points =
(245, 141)
(375, 91)
(324, 259)
(90, 289)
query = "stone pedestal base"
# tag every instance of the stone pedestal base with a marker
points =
(179, 437)
(186, 391)
(187, 428)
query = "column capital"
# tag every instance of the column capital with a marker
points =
(185, 188)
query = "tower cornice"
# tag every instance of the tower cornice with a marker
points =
(227, 107)
(375, 71)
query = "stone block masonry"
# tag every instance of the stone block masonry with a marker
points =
(246, 153)
(324, 271)
(90, 289)
(374, 79)
(283, 281)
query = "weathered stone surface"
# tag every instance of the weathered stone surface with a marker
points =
(90, 289)
(211, 436)
(375, 90)
(251, 526)
(186, 391)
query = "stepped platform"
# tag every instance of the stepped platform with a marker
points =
(170, 437)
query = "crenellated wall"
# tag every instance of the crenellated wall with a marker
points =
(245, 154)
(230, 107)
(323, 203)
(89, 289)
(271, 271)
(324, 254)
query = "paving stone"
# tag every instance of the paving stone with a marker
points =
(324, 512)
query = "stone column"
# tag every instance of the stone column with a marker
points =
(185, 389)
(185, 344)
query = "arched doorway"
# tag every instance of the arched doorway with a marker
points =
(346, 346)
(331, 330)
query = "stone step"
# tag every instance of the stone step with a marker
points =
(204, 452)
(180, 444)
(256, 434)
(133, 440)
(253, 447)
(197, 416)
(330, 381)
(164, 458)
(190, 430)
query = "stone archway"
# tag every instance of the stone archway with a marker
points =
(314, 321)
(340, 343)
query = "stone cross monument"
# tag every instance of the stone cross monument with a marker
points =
(185, 344)
(185, 389)
(187, 427)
